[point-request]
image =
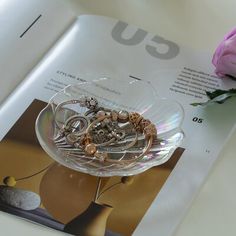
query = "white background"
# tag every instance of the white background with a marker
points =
(199, 25)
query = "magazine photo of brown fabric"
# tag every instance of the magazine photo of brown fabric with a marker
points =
(63, 199)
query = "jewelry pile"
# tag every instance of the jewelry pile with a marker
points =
(101, 133)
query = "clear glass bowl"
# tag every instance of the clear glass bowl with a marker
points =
(134, 96)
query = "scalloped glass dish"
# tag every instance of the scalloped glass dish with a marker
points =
(135, 96)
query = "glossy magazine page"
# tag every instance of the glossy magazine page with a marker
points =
(153, 202)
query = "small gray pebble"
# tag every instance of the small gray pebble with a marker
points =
(23, 199)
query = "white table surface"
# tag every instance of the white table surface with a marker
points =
(198, 24)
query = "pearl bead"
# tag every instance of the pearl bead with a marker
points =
(90, 149)
(100, 114)
(123, 116)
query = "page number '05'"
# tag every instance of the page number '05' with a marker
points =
(197, 120)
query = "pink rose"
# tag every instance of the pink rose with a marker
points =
(224, 58)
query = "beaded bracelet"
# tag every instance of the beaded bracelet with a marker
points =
(99, 127)
(142, 125)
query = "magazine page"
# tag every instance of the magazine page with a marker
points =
(157, 199)
(28, 30)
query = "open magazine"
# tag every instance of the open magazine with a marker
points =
(43, 60)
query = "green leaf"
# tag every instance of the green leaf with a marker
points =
(196, 104)
(215, 93)
(218, 96)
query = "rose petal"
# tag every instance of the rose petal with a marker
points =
(226, 65)
(230, 34)
(218, 53)
(225, 54)
(226, 47)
